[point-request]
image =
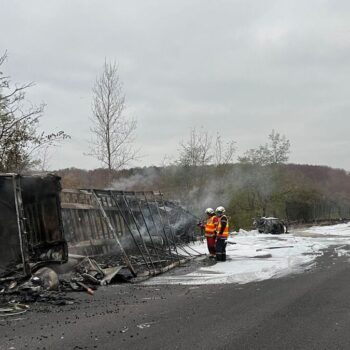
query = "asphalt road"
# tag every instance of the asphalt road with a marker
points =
(305, 311)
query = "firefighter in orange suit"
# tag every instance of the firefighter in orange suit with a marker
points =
(222, 232)
(210, 230)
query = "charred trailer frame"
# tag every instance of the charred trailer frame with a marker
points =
(139, 229)
(31, 230)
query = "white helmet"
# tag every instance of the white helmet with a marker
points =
(220, 210)
(209, 211)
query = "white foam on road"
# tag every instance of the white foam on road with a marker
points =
(257, 257)
(338, 230)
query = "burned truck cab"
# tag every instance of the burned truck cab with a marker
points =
(31, 230)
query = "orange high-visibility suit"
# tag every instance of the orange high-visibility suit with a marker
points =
(221, 237)
(210, 229)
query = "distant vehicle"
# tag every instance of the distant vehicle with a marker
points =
(271, 225)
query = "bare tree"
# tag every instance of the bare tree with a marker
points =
(200, 149)
(113, 132)
(196, 151)
(20, 139)
(274, 152)
(279, 148)
(224, 152)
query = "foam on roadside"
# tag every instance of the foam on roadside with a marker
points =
(257, 257)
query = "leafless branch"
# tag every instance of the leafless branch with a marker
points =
(196, 150)
(224, 152)
(112, 131)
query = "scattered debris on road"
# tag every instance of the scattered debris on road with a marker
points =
(13, 309)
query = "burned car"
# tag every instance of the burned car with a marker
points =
(271, 225)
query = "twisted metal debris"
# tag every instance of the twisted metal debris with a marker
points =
(140, 229)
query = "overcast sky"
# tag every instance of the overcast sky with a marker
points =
(242, 67)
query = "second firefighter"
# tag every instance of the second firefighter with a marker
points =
(222, 232)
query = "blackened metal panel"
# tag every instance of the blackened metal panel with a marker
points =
(31, 228)
(41, 201)
(11, 248)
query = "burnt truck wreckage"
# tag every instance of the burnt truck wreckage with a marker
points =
(110, 235)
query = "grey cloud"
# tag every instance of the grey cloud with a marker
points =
(242, 67)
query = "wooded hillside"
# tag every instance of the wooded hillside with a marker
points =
(302, 193)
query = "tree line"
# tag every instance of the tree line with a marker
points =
(297, 193)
